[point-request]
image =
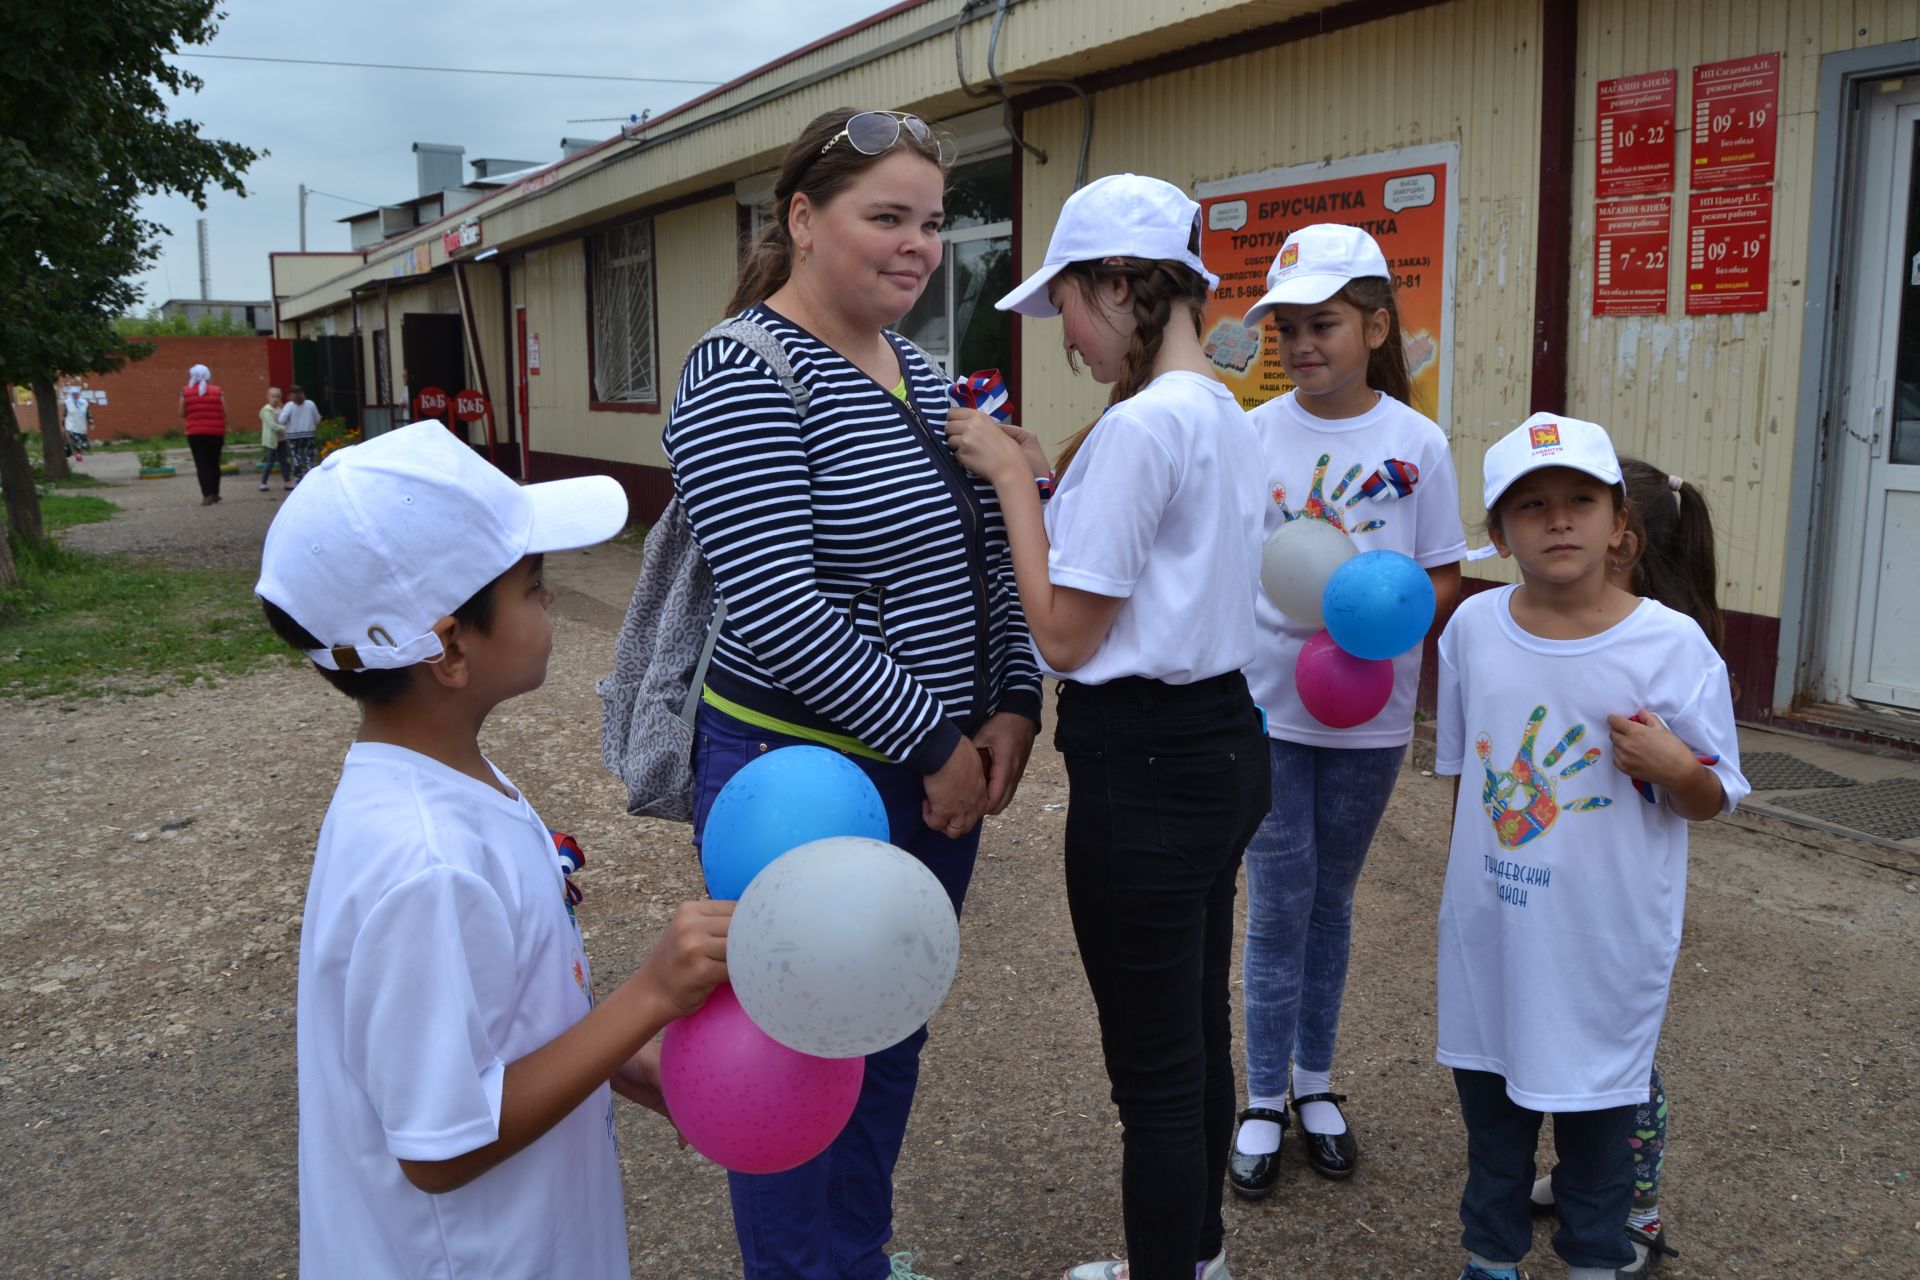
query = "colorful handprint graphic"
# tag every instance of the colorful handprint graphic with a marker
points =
(1521, 801)
(1327, 507)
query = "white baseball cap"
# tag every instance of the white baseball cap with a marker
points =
(385, 538)
(1549, 440)
(1122, 215)
(1315, 263)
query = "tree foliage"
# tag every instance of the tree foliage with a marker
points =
(153, 324)
(85, 132)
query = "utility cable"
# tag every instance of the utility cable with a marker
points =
(467, 71)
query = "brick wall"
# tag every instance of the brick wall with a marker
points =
(143, 398)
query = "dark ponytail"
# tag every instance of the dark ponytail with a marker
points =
(1154, 285)
(1676, 561)
(1387, 363)
(820, 171)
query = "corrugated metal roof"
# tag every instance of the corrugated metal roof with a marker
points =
(904, 56)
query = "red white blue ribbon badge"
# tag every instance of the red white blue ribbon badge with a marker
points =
(985, 391)
(1394, 479)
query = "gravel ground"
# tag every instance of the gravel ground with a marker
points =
(155, 864)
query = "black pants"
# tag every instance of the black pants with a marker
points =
(1166, 784)
(1592, 1183)
(206, 462)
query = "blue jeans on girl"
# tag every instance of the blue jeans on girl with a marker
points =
(830, 1218)
(1302, 866)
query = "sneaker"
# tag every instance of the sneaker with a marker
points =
(901, 1268)
(263, 486)
(1472, 1272)
(1215, 1270)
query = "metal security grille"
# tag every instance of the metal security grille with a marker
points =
(625, 366)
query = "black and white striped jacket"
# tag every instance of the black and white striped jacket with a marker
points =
(868, 585)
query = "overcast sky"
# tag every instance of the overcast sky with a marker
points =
(349, 131)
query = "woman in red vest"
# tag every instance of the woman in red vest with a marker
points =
(206, 415)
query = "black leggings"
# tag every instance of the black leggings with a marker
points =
(206, 462)
(1166, 784)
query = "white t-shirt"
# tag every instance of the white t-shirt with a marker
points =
(301, 419)
(1158, 508)
(1560, 922)
(76, 415)
(437, 948)
(1315, 467)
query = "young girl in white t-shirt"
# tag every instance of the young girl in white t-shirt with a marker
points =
(1345, 434)
(1138, 583)
(1565, 888)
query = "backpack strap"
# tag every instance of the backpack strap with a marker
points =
(756, 338)
(692, 704)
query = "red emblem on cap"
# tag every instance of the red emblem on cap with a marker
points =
(1545, 437)
(1289, 255)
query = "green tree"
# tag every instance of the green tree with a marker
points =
(84, 133)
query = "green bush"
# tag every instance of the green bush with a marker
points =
(152, 457)
(153, 325)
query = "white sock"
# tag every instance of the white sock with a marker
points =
(1260, 1137)
(1591, 1273)
(1317, 1117)
(1644, 1216)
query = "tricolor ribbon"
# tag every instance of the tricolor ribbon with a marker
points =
(1393, 479)
(985, 391)
(571, 860)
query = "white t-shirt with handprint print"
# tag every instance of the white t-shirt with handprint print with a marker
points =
(1326, 469)
(1565, 889)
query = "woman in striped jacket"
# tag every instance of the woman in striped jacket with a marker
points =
(870, 598)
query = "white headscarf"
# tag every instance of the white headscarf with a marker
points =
(198, 377)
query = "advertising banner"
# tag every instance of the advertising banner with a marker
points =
(1407, 200)
(1729, 239)
(1736, 110)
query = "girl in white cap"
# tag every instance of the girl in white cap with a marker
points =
(1138, 581)
(1346, 432)
(1603, 725)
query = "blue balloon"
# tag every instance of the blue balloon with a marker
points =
(1378, 604)
(778, 802)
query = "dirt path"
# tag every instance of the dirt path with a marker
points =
(155, 862)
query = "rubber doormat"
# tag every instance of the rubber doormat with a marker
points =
(1889, 808)
(1778, 771)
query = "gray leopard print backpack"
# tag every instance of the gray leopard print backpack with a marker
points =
(660, 656)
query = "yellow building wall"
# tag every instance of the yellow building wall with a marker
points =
(1465, 72)
(1713, 398)
(694, 267)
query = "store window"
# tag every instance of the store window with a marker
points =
(622, 316)
(955, 319)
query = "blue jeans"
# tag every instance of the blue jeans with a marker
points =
(830, 1218)
(1165, 784)
(1302, 867)
(1592, 1183)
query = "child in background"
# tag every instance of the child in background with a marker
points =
(76, 417)
(456, 1115)
(1668, 555)
(1561, 916)
(300, 418)
(272, 444)
(1137, 582)
(1349, 417)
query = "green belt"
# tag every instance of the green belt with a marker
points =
(761, 720)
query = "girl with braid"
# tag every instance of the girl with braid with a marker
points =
(1138, 579)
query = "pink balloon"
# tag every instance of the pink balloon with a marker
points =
(1338, 689)
(744, 1100)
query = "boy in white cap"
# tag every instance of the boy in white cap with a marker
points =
(1565, 888)
(455, 1072)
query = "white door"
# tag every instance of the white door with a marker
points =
(1884, 413)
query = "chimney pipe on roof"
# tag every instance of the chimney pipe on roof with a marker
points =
(438, 166)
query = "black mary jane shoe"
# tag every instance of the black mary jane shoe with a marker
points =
(1252, 1177)
(1332, 1155)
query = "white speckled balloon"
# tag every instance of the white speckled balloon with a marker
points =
(842, 947)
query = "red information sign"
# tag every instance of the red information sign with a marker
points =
(1729, 238)
(1736, 109)
(1630, 250)
(430, 403)
(469, 406)
(1636, 134)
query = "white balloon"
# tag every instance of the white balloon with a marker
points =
(842, 947)
(1299, 559)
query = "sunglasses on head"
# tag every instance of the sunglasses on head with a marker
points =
(871, 132)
